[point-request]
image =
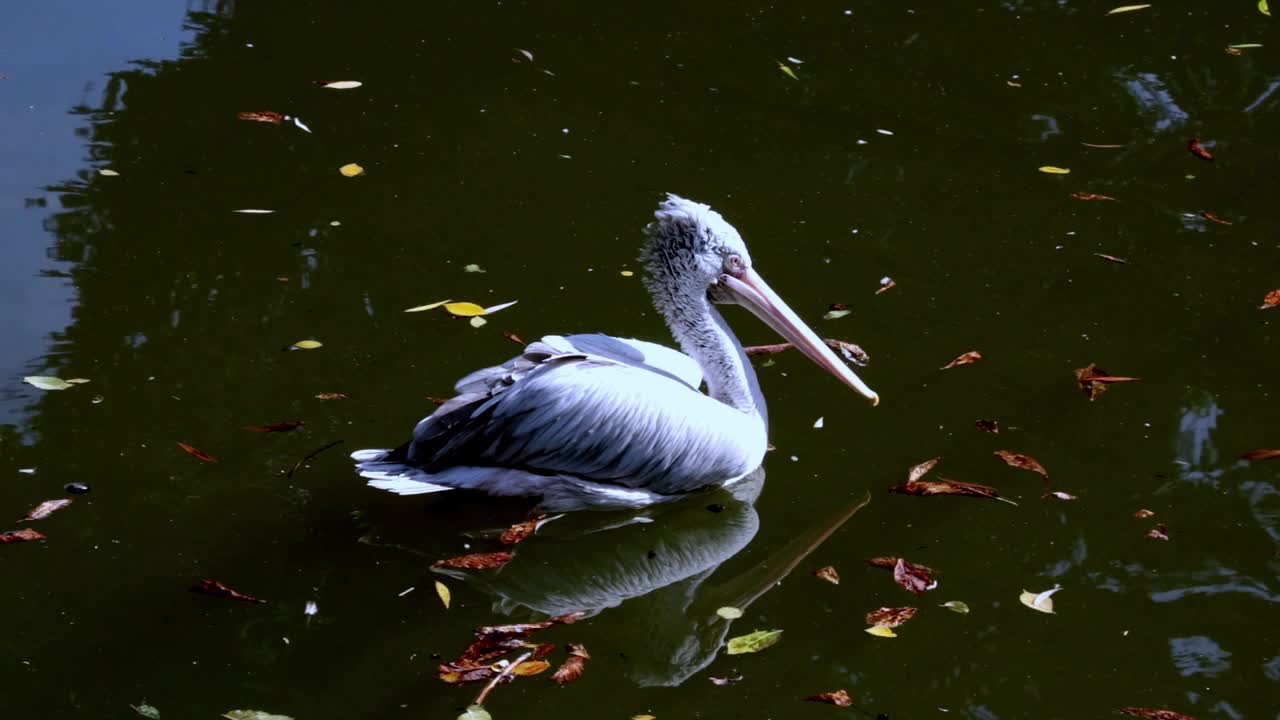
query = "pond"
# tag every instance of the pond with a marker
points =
(852, 144)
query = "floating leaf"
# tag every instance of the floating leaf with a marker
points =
(835, 314)
(1112, 258)
(477, 322)
(512, 337)
(970, 357)
(18, 536)
(1271, 300)
(146, 711)
(988, 426)
(501, 306)
(942, 486)
(1143, 514)
(520, 531)
(1061, 495)
(46, 382)
(1105, 147)
(886, 283)
(263, 116)
(790, 73)
(45, 509)
(307, 344)
(626, 273)
(754, 642)
(277, 427)
(464, 309)
(1039, 601)
(1126, 8)
(253, 715)
(1160, 532)
(839, 698)
(197, 453)
(475, 561)
(1155, 713)
(1093, 381)
(918, 471)
(1244, 46)
(572, 668)
(721, 681)
(1024, 462)
(1264, 8)
(108, 172)
(331, 396)
(473, 268)
(432, 306)
(916, 578)
(1261, 455)
(351, 170)
(475, 712)
(1196, 148)
(1215, 218)
(531, 667)
(956, 606)
(829, 574)
(1092, 196)
(729, 613)
(889, 563)
(643, 717)
(1052, 170)
(890, 617)
(445, 596)
(253, 211)
(341, 84)
(881, 631)
(527, 55)
(217, 589)
(78, 381)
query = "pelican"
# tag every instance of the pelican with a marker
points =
(595, 422)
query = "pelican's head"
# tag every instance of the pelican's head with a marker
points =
(692, 253)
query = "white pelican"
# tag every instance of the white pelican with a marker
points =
(593, 421)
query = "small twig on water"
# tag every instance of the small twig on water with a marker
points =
(310, 456)
(506, 671)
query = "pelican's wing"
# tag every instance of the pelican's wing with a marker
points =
(590, 407)
(641, 353)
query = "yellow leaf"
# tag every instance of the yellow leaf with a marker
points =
(729, 613)
(1054, 170)
(108, 172)
(627, 273)
(881, 631)
(443, 591)
(478, 321)
(307, 344)
(1127, 8)
(1042, 601)
(463, 309)
(531, 667)
(790, 73)
(643, 717)
(78, 381)
(351, 170)
(432, 306)
(343, 84)
(1264, 8)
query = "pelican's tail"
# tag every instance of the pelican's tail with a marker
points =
(387, 473)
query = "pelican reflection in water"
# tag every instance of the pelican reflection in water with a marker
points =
(593, 421)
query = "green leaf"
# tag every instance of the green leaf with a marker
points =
(755, 642)
(955, 606)
(835, 314)
(1055, 170)
(729, 613)
(146, 711)
(45, 382)
(790, 73)
(1264, 8)
(252, 715)
(475, 712)
(472, 268)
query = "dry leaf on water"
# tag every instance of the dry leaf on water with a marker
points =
(1112, 258)
(886, 284)
(890, 617)
(1025, 462)
(351, 170)
(18, 536)
(1091, 196)
(1143, 514)
(722, 681)
(1093, 380)
(918, 471)
(442, 591)
(276, 427)
(306, 345)
(1215, 218)
(1261, 455)
(829, 574)
(968, 358)
(1060, 495)
(197, 453)
(217, 589)
(1160, 532)
(1196, 148)
(340, 84)
(1154, 713)
(477, 662)
(1126, 8)
(513, 337)
(990, 426)
(263, 116)
(956, 606)
(1271, 300)
(942, 486)
(45, 509)
(1042, 601)
(915, 578)
(475, 561)
(572, 668)
(839, 698)
(331, 396)
(1053, 170)
(520, 531)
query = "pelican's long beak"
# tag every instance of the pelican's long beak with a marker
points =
(753, 293)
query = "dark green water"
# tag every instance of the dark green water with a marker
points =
(543, 173)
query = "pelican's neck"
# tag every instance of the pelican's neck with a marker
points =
(705, 336)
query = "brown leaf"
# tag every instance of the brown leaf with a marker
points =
(1111, 258)
(513, 337)
(1261, 455)
(475, 561)
(890, 563)
(829, 574)
(838, 306)
(990, 426)
(887, 286)
(520, 531)
(839, 698)
(1161, 532)
(331, 396)
(277, 427)
(1025, 462)
(1090, 196)
(17, 536)
(970, 357)
(492, 642)
(1215, 218)
(1143, 514)
(942, 486)
(1197, 149)
(197, 453)
(217, 589)
(1271, 300)
(912, 578)
(572, 668)
(918, 471)
(1154, 713)
(531, 667)
(264, 116)
(45, 509)
(541, 651)
(890, 617)
(1093, 380)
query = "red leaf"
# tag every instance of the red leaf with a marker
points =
(1154, 713)
(263, 116)
(829, 574)
(890, 617)
(1194, 146)
(839, 698)
(972, 356)
(45, 509)
(217, 589)
(17, 536)
(197, 453)
(492, 642)
(476, 561)
(520, 531)
(911, 578)
(1261, 455)
(1025, 462)
(1215, 218)
(571, 670)
(278, 427)
(1271, 300)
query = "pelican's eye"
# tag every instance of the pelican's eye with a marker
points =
(734, 265)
